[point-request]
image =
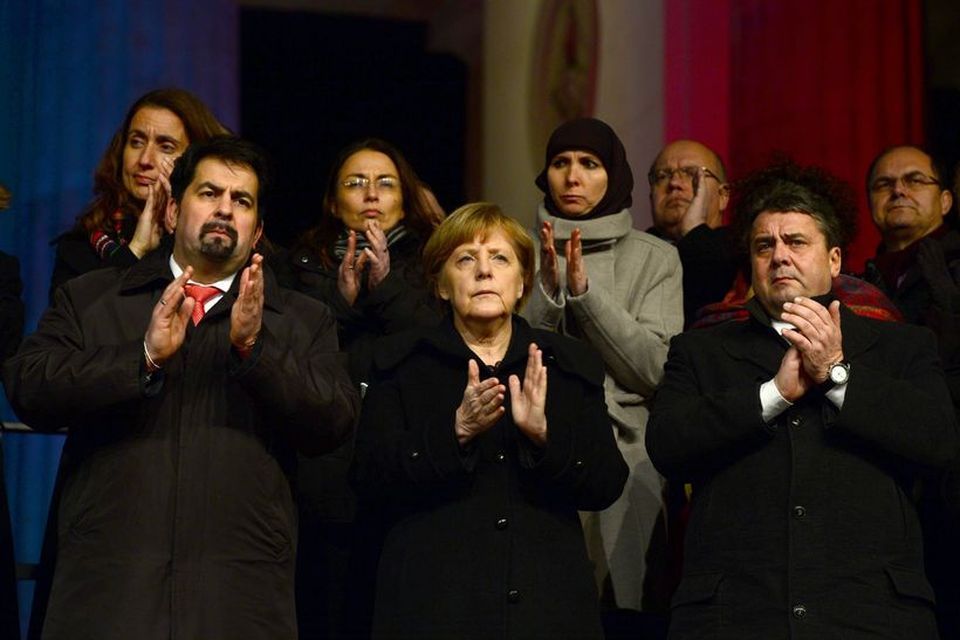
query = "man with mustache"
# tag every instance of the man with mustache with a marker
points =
(188, 383)
(688, 195)
(918, 266)
(802, 430)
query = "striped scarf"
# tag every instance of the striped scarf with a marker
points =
(105, 245)
(340, 247)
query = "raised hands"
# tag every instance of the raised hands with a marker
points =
(528, 401)
(146, 237)
(168, 322)
(482, 403)
(377, 255)
(481, 407)
(246, 316)
(549, 271)
(816, 344)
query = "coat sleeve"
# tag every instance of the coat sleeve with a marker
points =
(581, 464)
(55, 375)
(397, 460)
(11, 306)
(633, 342)
(907, 412)
(399, 304)
(305, 386)
(691, 432)
(75, 256)
(709, 268)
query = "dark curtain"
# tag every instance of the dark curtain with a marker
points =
(829, 83)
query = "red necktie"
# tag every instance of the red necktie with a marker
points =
(201, 294)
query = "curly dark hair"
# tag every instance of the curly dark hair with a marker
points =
(784, 185)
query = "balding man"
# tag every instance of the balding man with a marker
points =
(688, 194)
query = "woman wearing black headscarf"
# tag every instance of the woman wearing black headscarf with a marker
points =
(619, 289)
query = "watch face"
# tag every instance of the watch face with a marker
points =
(839, 373)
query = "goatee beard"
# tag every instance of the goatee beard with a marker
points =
(216, 247)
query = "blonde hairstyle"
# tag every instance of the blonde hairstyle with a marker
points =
(468, 222)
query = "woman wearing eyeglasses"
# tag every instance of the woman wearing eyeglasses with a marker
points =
(619, 289)
(363, 260)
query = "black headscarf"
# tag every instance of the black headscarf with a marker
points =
(595, 136)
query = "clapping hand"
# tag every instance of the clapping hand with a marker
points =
(528, 400)
(549, 270)
(816, 345)
(168, 322)
(481, 407)
(146, 237)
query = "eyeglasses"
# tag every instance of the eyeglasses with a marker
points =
(913, 181)
(360, 183)
(687, 174)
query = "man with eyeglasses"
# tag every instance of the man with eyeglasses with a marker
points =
(918, 261)
(918, 266)
(688, 194)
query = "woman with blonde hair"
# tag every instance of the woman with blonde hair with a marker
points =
(480, 440)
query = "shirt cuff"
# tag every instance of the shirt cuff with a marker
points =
(772, 403)
(836, 394)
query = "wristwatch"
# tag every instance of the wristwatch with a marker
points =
(839, 373)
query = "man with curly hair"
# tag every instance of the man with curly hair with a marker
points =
(802, 431)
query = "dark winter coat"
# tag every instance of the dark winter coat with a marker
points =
(485, 539)
(75, 256)
(928, 294)
(176, 518)
(802, 528)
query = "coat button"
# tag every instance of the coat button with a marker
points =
(796, 421)
(502, 523)
(501, 456)
(304, 259)
(513, 595)
(799, 511)
(578, 464)
(799, 611)
(414, 455)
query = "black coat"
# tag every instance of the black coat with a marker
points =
(175, 514)
(802, 528)
(709, 267)
(339, 546)
(401, 302)
(928, 295)
(485, 540)
(11, 331)
(75, 256)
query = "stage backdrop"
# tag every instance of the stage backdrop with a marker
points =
(68, 73)
(829, 83)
